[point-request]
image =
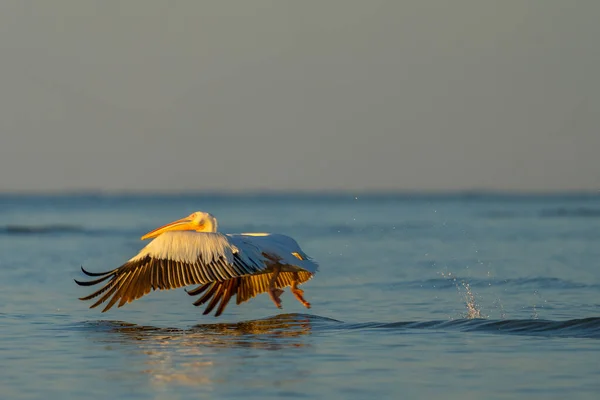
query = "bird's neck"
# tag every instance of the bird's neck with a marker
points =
(209, 225)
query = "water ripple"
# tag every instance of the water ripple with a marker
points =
(563, 212)
(538, 282)
(62, 229)
(269, 332)
(38, 229)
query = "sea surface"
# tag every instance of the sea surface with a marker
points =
(457, 296)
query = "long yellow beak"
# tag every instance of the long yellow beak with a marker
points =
(183, 224)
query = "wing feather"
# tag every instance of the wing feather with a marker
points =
(223, 265)
(280, 248)
(173, 260)
(92, 282)
(121, 292)
(244, 288)
(231, 287)
(199, 290)
(94, 273)
(142, 284)
(119, 295)
(182, 276)
(216, 298)
(197, 275)
(208, 295)
(177, 274)
(110, 292)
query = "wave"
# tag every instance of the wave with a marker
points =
(529, 282)
(64, 229)
(562, 212)
(559, 212)
(294, 325)
(582, 328)
(40, 229)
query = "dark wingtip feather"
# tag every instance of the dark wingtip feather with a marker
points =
(91, 283)
(208, 295)
(198, 290)
(83, 283)
(215, 300)
(229, 291)
(88, 273)
(109, 305)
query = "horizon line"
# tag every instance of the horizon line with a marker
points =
(303, 192)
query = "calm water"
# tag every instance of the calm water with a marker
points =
(464, 297)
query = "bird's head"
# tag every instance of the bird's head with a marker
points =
(199, 221)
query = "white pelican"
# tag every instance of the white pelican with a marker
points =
(190, 251)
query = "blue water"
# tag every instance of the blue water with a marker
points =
(447, 296)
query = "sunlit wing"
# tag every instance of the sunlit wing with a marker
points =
(181, 258)
(173, 260)
(244, 288)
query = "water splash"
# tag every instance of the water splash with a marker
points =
(534, 313)
(473, 309)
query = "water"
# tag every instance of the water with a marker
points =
(455, 296)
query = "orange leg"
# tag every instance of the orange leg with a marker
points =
(274, 293)
(298, 292)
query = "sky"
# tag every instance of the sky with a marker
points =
(345, 95)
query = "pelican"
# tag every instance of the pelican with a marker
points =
(190, 251)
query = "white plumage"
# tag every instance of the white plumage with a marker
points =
(189, 251)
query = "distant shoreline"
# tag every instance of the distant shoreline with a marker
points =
(356, 194)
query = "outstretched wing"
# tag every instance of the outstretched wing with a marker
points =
(244, 288)
(276, 248)
(176, 259)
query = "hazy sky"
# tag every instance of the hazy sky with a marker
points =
(356, 95)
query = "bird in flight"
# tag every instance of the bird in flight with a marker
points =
(190, 251)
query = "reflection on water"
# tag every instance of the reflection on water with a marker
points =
(271, 333)
(217, 354)
(187, 356)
